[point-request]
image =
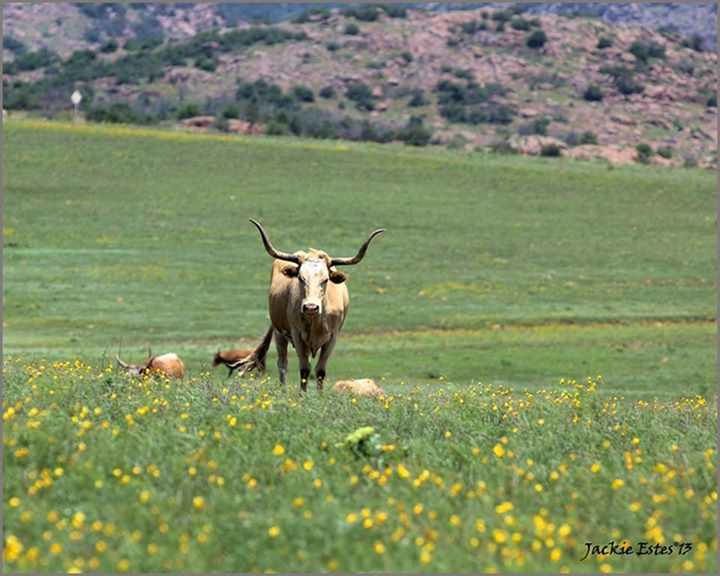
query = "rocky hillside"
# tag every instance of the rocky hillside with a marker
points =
(510, 80)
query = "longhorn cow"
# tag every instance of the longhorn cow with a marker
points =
(169, 365)
(308, 303)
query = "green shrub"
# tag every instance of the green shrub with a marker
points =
(538, 126)
(520, 24)
(575, 139)
(393, 11)
(407, 56)
(686, 67)
(628, 85)
(593, 93)
(473, 26)
(303, 94)
(463, 74)
(536, 39)
(327, 92)
(551, 150)
(33, 60)
(644, 51)
(665, 152)
(644, 153)
(588, 137)
(624, 79)
(352, 29)
(361, 94)
(332, 46)
(415, 133)
(695, 42)
(117, 113)
(206, 64)
(604, 42)
(109, 46)
(711, 101)
(417, 99)
(321, 13)
(188, 110)
(502, 15)
(13, 44)
(221, 123)
(231, 111)
(363, 12)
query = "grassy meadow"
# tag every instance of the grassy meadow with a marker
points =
(544, 330)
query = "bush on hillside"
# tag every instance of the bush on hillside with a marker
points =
(303, 94)
(327, 92)
(644, 153)
(536, 39)
(604, 42)
(593, 93)
(644, 51)
(361, 94)
(415, 133)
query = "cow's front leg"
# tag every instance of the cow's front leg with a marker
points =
(304, 359)
(325, 352)
(281, 345)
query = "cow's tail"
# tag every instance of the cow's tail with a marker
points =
(255, 362)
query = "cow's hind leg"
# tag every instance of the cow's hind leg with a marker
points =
(325, 352)
(281, 345)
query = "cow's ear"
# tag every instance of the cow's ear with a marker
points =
(291, 271)
(337, 277)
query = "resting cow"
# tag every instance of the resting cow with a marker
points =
(169, 365)
(245, 360)
(308, 304)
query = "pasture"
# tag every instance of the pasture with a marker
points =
(498, 276)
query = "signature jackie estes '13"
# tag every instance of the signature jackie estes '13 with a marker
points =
(613, 548)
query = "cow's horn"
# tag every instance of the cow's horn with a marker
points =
(361, 253)
(120, 362)
(271, 250)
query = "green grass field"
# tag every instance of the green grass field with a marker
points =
(498, 276)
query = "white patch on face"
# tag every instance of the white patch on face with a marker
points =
(313, 276)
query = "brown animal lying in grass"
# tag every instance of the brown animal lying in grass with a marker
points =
(169, 365)
(362, 387)
(244, 360)
(232, 358)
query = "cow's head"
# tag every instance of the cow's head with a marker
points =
(314, 270)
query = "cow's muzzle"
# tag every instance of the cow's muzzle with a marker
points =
(310, 309)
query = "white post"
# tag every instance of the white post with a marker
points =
(76, 98)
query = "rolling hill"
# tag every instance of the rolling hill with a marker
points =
(507, 79)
